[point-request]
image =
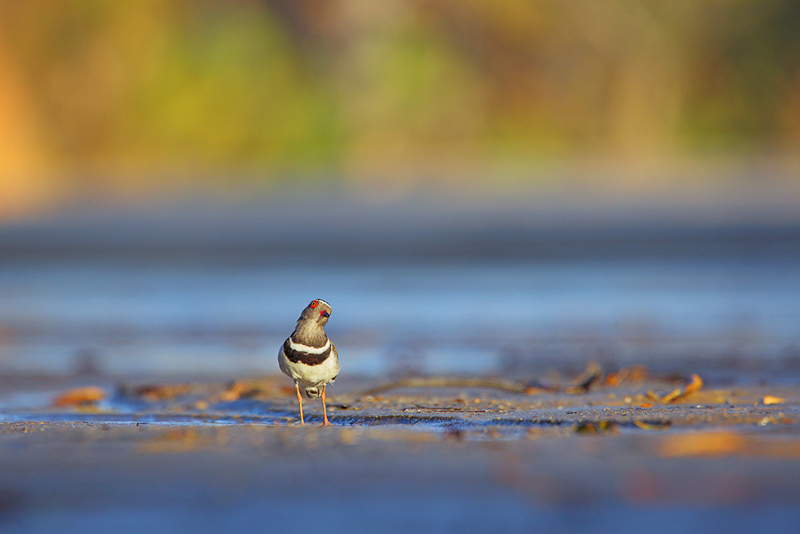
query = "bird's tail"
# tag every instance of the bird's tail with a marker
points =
(313, 393)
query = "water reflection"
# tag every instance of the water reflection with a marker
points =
(475, 317)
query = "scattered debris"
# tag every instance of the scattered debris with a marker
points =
(80, 397)
(585, 381)
(771, 399)
(653, 425)
(582, 384)
(160, 392)
(702, 444)
(177, 440)
(239, 389)
(599, 427)
(726, 443)
(675, 395)
(636, 373)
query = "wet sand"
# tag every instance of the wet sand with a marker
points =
(92, 298)
(601, 452)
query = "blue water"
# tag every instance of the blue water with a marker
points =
(148, 315)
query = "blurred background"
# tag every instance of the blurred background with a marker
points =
(476, 187)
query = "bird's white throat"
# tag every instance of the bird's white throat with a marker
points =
(309, 350)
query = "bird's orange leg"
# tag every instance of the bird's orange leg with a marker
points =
(325, 421)
(300, 403)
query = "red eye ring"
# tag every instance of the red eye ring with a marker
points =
(313, 304)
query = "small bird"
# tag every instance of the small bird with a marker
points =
(308, 357)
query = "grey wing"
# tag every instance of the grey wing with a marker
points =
(283, 363)
(335, 356)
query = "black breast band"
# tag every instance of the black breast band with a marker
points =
(308, 358)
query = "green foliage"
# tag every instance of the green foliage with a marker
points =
(269, 86)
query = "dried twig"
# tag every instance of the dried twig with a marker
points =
(450, 382)
(675, 395)
(582, 384)
(448, 409)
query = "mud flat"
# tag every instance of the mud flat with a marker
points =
(621, 451)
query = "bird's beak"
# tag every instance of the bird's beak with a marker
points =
(325, 313)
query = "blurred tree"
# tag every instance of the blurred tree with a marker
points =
(122, 96)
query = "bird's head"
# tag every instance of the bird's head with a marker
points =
(318, 311)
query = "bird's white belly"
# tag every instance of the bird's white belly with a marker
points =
(310, 375)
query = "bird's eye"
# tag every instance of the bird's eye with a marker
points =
(313, 304)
